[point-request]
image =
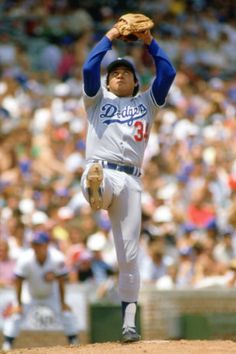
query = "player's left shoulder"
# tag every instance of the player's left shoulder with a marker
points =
(148, 98)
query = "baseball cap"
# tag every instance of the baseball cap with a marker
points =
(121, 62)
(188, 227)
(96, 242)
(40, 237)
(39, 217)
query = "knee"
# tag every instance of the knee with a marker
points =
(128, 260)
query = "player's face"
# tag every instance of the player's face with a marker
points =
(121, 82)
(40, 251)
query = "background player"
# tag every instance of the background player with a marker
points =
(43, 268)
(120, 120)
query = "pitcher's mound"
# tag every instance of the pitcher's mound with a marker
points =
(142, 347)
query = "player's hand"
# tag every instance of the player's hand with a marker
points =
(146, 36)
(65, 307)
(113, 33)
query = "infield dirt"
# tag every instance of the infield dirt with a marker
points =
(149, 347)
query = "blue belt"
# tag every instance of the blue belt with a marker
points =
(130, 170)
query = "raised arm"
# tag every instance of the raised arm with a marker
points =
(92, 65)
(165, 72)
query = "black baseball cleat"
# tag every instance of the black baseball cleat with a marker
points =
(73, 340)
(94, 181)
(130, 335)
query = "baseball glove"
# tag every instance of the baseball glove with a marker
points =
(129, 24)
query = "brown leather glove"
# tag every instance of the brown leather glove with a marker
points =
(130, 24)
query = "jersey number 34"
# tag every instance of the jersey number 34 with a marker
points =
(141, 132)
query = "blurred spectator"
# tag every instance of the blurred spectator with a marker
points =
(6, 265)
(154, 265)
(207, 271)
(81, 270)
(189, 168)
(101, 269)
(224, 251)
(186, 266)
(231, 275)
(169, 280)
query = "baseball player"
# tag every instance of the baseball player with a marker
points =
(43, 268)
(119, 122)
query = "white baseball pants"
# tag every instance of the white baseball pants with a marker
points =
(12, 324)
(121, 194)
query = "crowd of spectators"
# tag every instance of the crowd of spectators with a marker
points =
(188, 234)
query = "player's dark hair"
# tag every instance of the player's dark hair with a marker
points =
(123, 62)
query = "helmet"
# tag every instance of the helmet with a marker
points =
(123, 62)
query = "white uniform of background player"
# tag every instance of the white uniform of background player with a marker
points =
(46, 288)
(118, 130)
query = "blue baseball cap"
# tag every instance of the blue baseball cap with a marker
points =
(40, 238)
(121, 62)
(188, 227)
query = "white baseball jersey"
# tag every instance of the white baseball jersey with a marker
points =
(28, 268)
(119, 127)
(42, 293)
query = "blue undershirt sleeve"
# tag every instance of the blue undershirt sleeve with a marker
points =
(92, 65)
(165, 73)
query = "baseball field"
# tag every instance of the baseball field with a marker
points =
(151, 347)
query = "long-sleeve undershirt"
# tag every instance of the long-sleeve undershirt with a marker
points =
(165, 72)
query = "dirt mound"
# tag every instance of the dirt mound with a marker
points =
(150, 347)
